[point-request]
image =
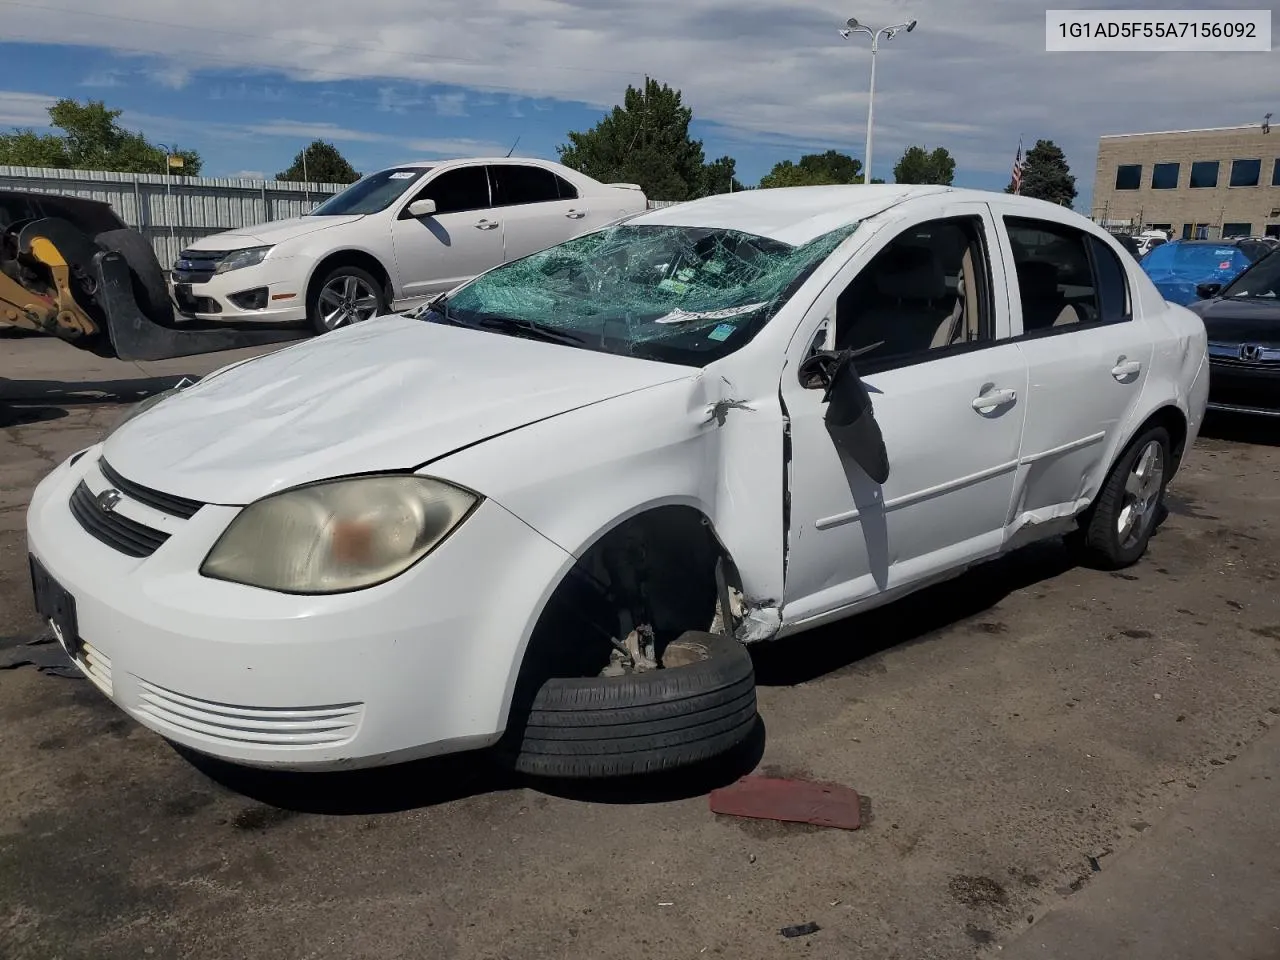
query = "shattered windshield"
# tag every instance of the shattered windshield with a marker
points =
(686, 295)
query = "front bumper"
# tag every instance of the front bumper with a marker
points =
(419, 666)
(1236, 387)
(279, 284)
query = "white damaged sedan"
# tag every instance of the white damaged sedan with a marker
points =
(550, 511)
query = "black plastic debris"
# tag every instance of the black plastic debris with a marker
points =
(800, 930)
(42, 653)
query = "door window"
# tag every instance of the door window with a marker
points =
(1056, 283)
(927, 291)
(515, 184)
(457, 191)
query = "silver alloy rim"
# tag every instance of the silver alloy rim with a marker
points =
(346, 300)
(1141, 493)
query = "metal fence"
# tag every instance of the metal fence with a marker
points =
(172, 212)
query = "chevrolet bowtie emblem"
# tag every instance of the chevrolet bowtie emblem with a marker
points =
(107, 500)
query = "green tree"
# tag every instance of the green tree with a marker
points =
(1046, 176)
(646, 140)
(815, 169)
(320, 162)
(91, 139)
(920, 165)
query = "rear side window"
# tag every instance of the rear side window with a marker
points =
(1055, 274)
(1113, 284)
(515, 184)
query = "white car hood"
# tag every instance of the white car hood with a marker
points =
(389, 394)
(262, 234)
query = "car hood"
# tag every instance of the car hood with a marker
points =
(1229, 320)
(389, 394)
(262, 234)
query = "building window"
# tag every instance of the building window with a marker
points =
(1195, 231)
(1275, 173)
(1129, 176)
(1245, 173)
(1164, 176)
(1204, 173)
(1237, 229)
(1166, 227)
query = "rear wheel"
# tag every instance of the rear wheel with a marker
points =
(1114, 533)
(345, 296)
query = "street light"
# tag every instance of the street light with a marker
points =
(888, 33)
(168, 189)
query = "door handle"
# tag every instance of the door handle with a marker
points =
(486, 225)
(1125, 368)
(576, 214)
(996, 398)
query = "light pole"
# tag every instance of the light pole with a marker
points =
(888, 33)
(168, 189)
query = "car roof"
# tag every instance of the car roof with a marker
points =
(796, 215)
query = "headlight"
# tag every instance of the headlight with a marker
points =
(338, 535)
(247, 257)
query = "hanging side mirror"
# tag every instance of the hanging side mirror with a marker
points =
(1207, 291)
(850, 417)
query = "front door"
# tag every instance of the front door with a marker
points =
(925, 301)
(461, 239)
(1087, 356)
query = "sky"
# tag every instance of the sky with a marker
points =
(767, 80)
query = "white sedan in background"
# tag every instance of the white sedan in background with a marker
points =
(391, 240)
(550, 511)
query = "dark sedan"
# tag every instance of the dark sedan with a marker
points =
(1243, 323)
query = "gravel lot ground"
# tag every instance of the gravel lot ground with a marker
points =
(1023, 737)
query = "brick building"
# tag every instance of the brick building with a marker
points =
(1212, 183)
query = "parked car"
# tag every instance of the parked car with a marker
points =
(547, 510)
(392, 239)
(1179, 267)
(1148, 240)
(1243, 324)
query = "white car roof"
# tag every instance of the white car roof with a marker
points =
(796, 215)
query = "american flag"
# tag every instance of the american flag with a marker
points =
(1017, 169)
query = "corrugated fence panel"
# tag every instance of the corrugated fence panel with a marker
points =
(174, 211)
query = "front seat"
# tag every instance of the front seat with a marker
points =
(911, 304)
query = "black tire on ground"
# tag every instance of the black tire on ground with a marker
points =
(1097, 542)
(314, 316)
(150, 289)
(586, 727)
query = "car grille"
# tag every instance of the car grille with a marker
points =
(1238, 354)
(197, 266)
(119, 532)
(263, 726)
(164, 502)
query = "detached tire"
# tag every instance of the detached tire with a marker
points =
(1115, 531)
(641, 723)
(150, 289)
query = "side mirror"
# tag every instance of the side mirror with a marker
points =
(1207, 291)
(422, 208)
(850, 418)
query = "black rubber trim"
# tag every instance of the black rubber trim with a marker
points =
(118, 532)
(164, 502)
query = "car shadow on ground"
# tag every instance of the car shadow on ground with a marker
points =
(24, 402)
(427, 783)
(1240, 428)
(807, 656)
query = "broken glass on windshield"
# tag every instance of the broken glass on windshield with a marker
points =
(679, 294)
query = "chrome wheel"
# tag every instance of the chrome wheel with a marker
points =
(345, 300)
(1141, 494)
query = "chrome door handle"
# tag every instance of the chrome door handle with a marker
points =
(1125, 368)
(486, 225)
(576, 214)
(996, 398)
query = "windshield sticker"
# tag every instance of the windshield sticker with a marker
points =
(403, 175)
(722, 332)
(684, 316)
(1225, 265)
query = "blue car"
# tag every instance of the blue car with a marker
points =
(1179, 267)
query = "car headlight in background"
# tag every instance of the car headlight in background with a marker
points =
(338, 535)
(248, 257)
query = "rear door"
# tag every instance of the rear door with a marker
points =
(539, 209)
(1087, 359)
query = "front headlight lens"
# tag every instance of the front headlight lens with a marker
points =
(247, 257)
(339, 535)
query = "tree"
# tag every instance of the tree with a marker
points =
(919, 165)
(91, 139)
(320, 162)
(1046, 176)
(646, 140)
(814, 169)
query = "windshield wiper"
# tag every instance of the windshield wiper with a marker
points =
(532, 329)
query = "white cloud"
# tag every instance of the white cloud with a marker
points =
(173, 75)
(390, 100)
(314, 131)
(450, 104)
(104, 78)
(971, 77)
(25, 109)
(247, 175)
